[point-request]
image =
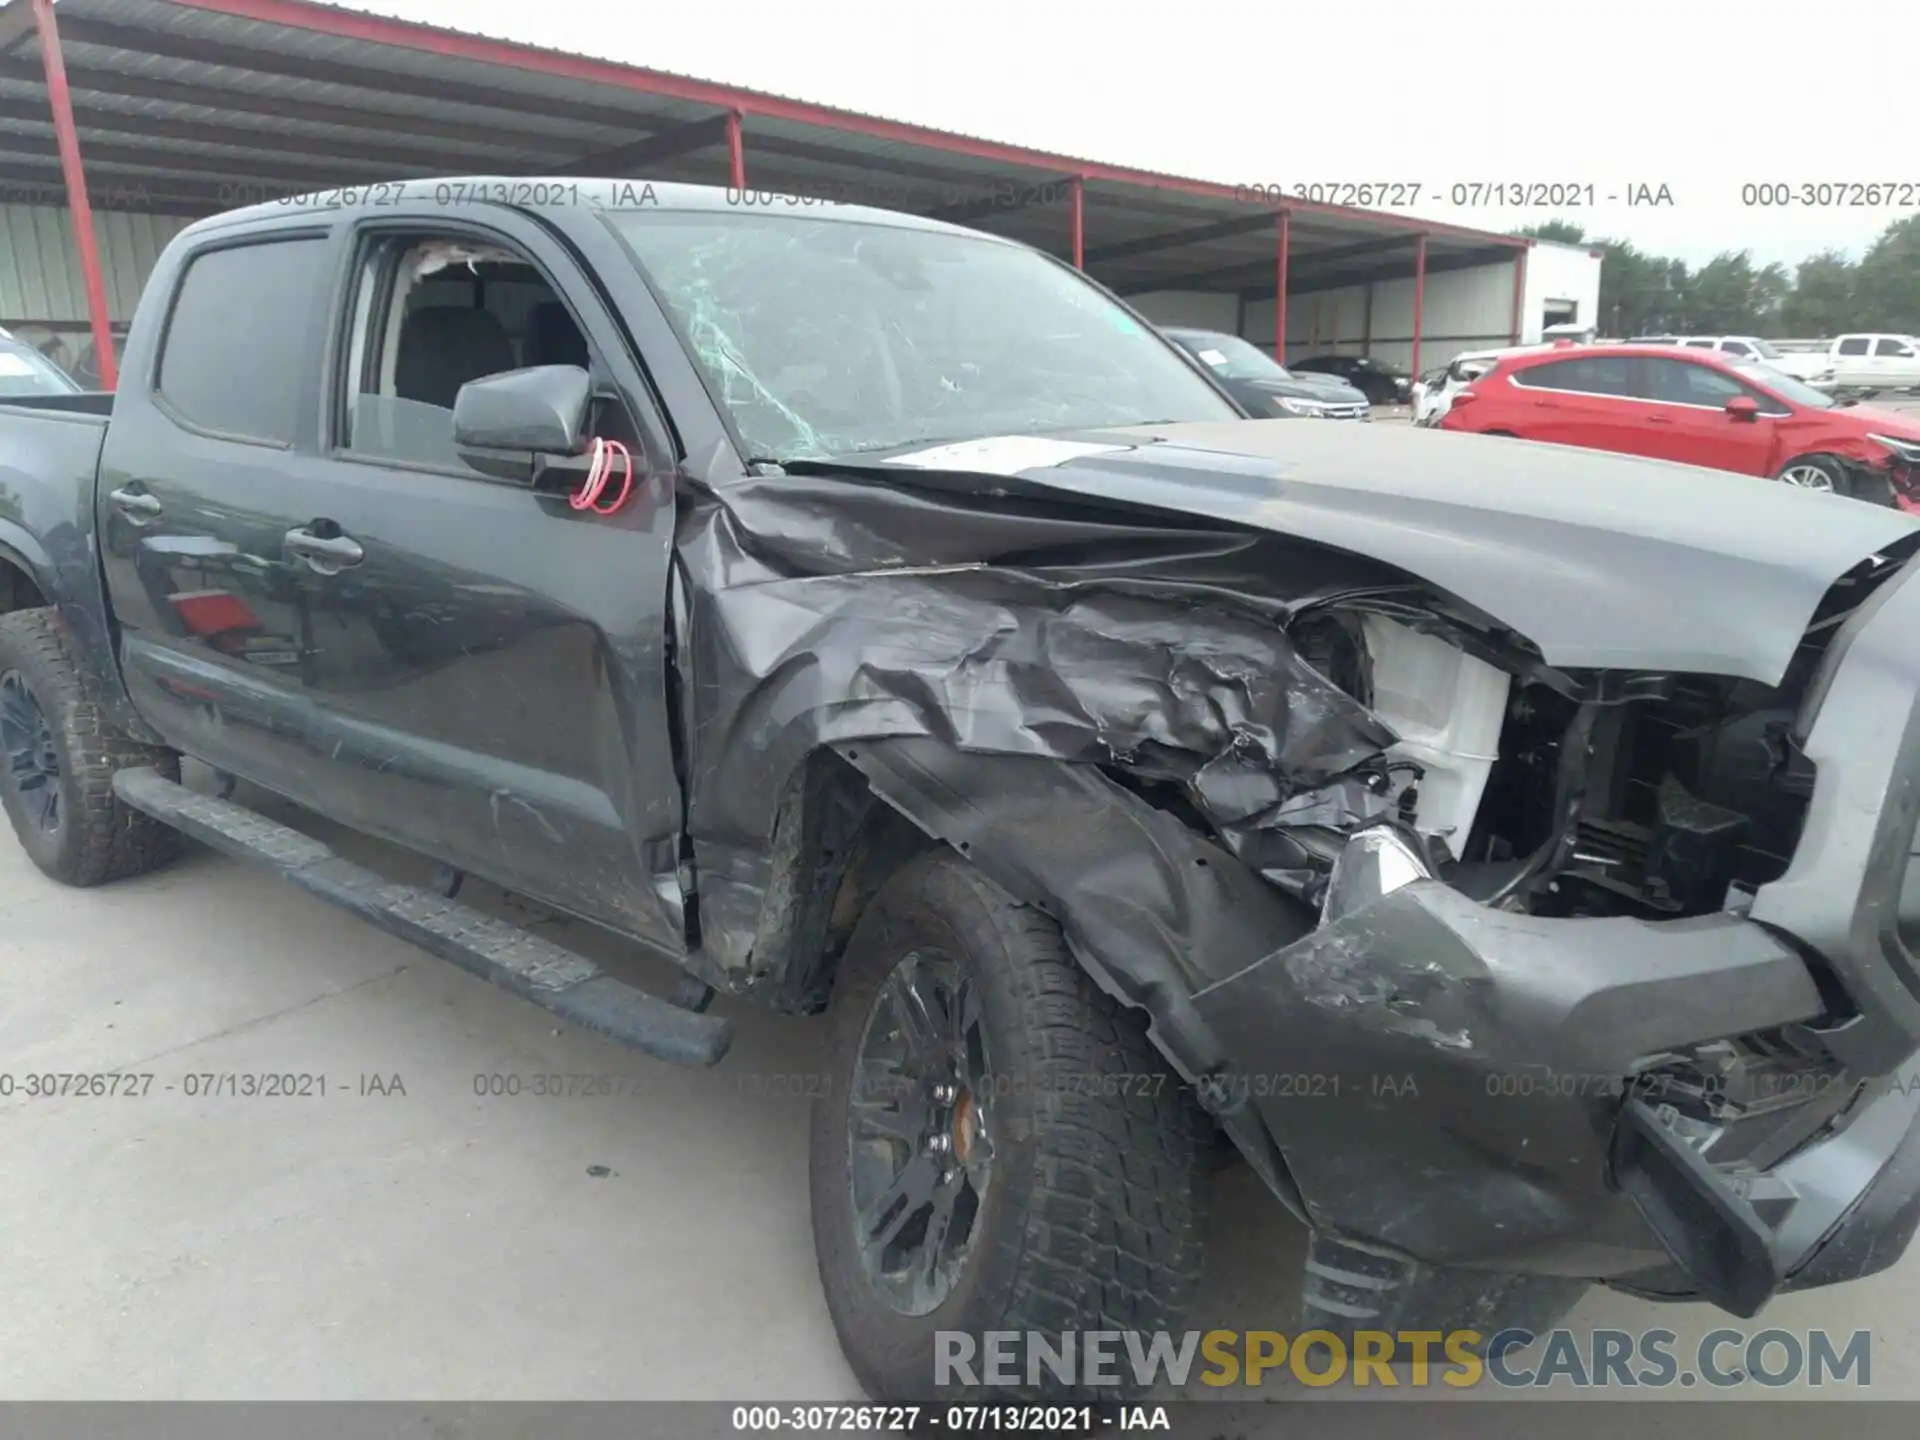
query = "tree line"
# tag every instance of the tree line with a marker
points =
(1825, 294)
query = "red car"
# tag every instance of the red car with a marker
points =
(1698, 408)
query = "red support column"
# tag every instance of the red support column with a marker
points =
(60, 99)
(736, 152)
(1519, 293)
(1419, 296)
(1079, 202)
(1280, 293)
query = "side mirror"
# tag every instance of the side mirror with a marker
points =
(1465, 397)
(1743, 407)
(502, 422)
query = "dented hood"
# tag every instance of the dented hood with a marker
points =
(1601, 560)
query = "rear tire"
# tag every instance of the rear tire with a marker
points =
(1348, 1289)
(1088, 1214)
(58, 755)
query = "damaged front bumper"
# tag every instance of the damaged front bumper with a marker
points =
(1717, 1108)
(1484, 1089)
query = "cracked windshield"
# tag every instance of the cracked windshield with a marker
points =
(825, 338)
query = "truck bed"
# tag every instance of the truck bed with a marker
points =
(49, 455)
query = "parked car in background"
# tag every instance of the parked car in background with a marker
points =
(1431, 399)
(1700, 408)
(25, 371)
(1435, 392)
(1812, 366)
(1875, 362)
(1381, 383)
(1808, 365)
(1266, 387)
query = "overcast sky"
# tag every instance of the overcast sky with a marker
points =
(1700, 96)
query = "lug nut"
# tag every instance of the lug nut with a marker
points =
(940, 1142)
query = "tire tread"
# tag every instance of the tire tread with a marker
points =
(109, 840)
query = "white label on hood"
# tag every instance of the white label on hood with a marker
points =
(1003, 454)
(1213, 358)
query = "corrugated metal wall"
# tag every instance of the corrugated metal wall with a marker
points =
(40, 270)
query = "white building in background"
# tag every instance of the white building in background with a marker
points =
(1464, 309)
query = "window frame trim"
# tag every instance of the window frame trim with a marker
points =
(1513, 379)
(361, 243)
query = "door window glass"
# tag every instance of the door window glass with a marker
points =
(1679, 383)
(1591, 375)
(235, 351)
(432, 315)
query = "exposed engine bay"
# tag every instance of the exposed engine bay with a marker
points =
(1657, 804)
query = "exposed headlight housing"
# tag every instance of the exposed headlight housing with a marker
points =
(1907, 451)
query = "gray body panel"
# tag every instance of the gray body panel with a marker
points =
(1601, 560)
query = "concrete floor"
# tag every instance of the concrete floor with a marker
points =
(438, 1244)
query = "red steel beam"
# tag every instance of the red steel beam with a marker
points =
(1419, 297)
(1079, 202)
(1519, 294)
(1282, 231)
(736, 152)
(408, 35)
(61, 102)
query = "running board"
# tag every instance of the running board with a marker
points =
(569, 985)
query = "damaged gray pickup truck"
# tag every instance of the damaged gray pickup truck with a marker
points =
(1502, 846)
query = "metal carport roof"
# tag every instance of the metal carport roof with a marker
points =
(193, 106)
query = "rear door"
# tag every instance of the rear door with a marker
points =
(217, 395)
(1589, 401)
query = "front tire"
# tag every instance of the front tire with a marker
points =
(1823, 473)
(993, 1105)
(58, 755)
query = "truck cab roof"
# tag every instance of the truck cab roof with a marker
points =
(550, 193)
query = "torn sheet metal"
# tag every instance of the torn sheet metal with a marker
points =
(833, 608)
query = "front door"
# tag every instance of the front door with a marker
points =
(1896, 362)
(1691, 412)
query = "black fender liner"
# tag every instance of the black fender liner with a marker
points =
(1152, 910)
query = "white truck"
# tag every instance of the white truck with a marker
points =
(1813, 366)
(1875, 362)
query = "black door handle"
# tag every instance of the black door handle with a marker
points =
(135, 504)
(329, 554)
